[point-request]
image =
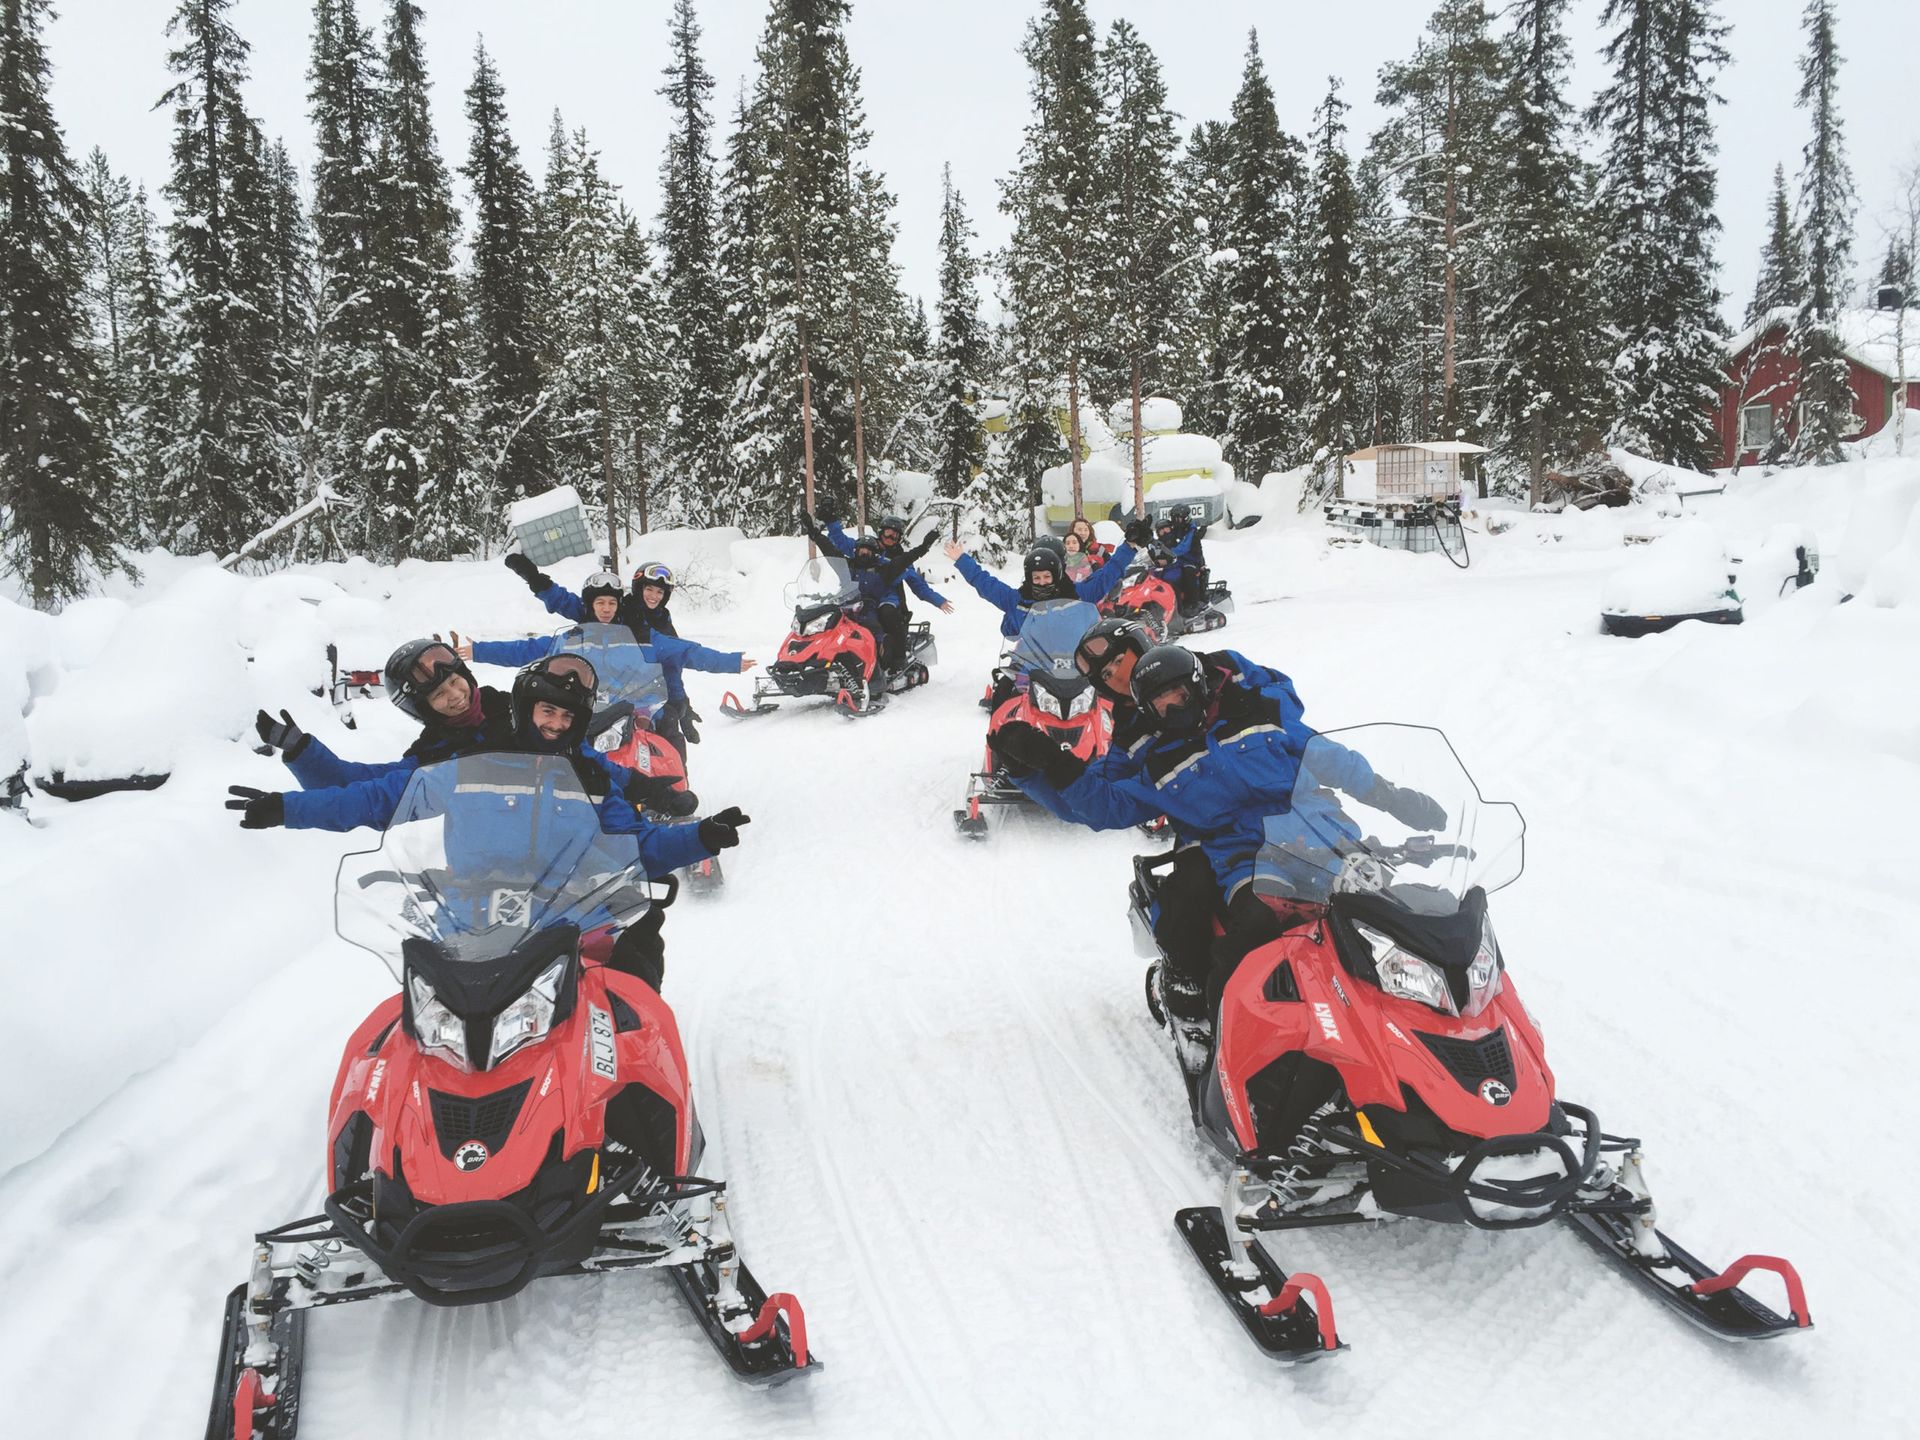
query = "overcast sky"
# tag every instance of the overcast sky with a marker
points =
(945, 83)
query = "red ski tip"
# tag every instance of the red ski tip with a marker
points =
(1289, 1296)
(1745, 1265)
(249, 1396)
(779, 1304)
(731, 701)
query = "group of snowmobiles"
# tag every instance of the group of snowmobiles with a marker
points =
(520, 1109)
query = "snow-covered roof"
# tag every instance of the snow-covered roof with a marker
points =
(1866, 335)
(1432, 447)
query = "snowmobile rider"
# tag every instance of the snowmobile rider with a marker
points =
(892, 534)
(552, 703)
(601, 602)
(426, 681)
(652, 593)
(1187, 572)
(1096, 552)
(1189, 896)
(879, 575)
(1045, 576)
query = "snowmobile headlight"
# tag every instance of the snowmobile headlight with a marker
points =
(1045, 701)
(1405, 975)
(608, 740)
(437, 1028)
(819, 623)
(1483, 976)
(1080, 703)
(530, 1017)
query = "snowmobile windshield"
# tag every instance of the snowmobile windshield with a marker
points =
(1049, 635)
(482, 854)
(627, 669)
(824, 580)
(1388, 810)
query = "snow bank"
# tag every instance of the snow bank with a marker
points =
(1158, 414)
(1682, 573)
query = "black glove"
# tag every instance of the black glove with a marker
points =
(285, 736)
(529, 572)
(1139, 531)
(691, 713)
(678, 716)
(924, 546)
(1025, 750)
(686, 718)
(1411, 808)
(259, 809)
(651, 792)
(722, 831)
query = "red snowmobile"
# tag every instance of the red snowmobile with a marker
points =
(1148, 596)
(518, 1110)
(832, 651)
(1376, 1061)
(1037, 682)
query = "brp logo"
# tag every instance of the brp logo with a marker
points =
(1495, 1092)
(471, 1156)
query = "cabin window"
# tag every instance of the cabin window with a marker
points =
(1756, 427)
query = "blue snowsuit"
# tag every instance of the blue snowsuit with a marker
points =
(674, 654)
(1012, 604)
(318, 768)
(372, 802)
(896, 594)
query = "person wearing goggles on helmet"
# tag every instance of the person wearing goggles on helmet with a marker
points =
(652, 592)
(601, 601)
(551, 704)
(427, 681)
(1185, 567)
(1044, 576)
(879, 570)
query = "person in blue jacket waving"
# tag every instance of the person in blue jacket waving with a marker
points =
(552, 701)
(1045, 577)
(884, 570)
(602, 602)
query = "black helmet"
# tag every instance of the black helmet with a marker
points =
(895, 523)
(871, 546)
(1181, 515)
(602, 583)
(1158, 556)
(1050, 558)
(654, 573)
(416, 670)
(1100, 644)
(568, 681)
(1170, 687)
(1050, 542)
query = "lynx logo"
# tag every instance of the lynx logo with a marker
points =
(600, 1042)
(1323, 1012)
(471, 1156)
(373, 1081)
(1494, 1093)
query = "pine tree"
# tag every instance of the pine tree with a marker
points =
(960, 364)
(1782, 283)
(53, 451)
(1389, 332)
(748, 429)
(1054, 200)
(1335, 420)
(1545, 379)
(1656, 208)
(1264, 370)
(149, 387)
(224, 477)
(417, 461)
(1826, 208)
(648, 384)
(697, 474)
(506, 289)
(110, 221)
(1198, 369)
(1149, 271)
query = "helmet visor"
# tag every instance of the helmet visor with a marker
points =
(432, 668)
(656, 574)
(572, 670)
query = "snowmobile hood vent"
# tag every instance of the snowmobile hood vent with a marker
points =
(458, 1119)
(1473, 1061)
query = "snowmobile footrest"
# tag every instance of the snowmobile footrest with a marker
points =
(1283, 1325)
(1712, 1300)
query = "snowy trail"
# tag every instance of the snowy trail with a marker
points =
(926, 1071)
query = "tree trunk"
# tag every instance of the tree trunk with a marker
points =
(806, 422)
(1139, 459)
(607, 479)
(640, 482)
(1447, 242)
(1537, 468)
(1073, 416)
(859, 422)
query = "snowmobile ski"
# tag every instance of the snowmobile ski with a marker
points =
(1712, 1300)
(766, 1344)
(257, 1401)
(1270, 1305)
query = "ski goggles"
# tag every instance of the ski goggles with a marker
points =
(432, 668)
(890, 535)
(570, 672)
(656, 574)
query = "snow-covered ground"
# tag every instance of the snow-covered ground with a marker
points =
(925, 1067)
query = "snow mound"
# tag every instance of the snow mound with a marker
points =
(1684, 572)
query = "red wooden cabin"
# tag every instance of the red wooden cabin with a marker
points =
(1757, 412)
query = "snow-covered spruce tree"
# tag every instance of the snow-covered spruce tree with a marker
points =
(223, 459)
(960, 355)
(648, 385)
(344, 104)
(1826, 208)
(1007, 489)
(1782, 282)
(1443, 104)
(1198, 368)
(696, 475)
(417, 462)
(1389, 321)
(1053, 197)
(1335, 420)
(1152, 260)
(1265, 426)
(909, 442)
(1656, 212)
(54, 473)
(1545, 383)
(505, 293)
(112, 226)
(149, 385)
(758, 495)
